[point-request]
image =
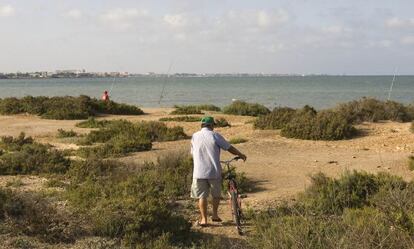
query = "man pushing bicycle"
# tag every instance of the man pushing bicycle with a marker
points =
(205, 148)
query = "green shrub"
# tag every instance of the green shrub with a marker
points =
(24, 156)
(32, 215)
(358, 210)
(190, 109)
(194, 109)
(277, 119)
(325, 125)
(66, 107)
(238, 140)
(121, 137)
(93, 123)
(182, 119)
(352, 190)
(222, 122)
(133, 206)
(62, 133)
(411, 163)
(12, 144)
(207, 107)
(373, 110)
(245, 109)
(155, 131)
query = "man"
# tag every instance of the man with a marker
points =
(105, 96)
(205, 148)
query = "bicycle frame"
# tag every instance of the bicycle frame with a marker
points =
(235, 200)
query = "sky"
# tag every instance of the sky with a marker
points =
(208, 36)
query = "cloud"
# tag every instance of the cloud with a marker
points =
(408, 40)
(177, 20)
(74, 14)
(120, 14)
(336, 29)
(6, 10)
(396, 22)
(122, 18)
(256, 18)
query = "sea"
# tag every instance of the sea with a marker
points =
(292, 91)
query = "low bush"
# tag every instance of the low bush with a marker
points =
(24, 156)
(222, 122)
(66, 107)
(29, 214)
(133, 206)
(352, 190)
(358, 210)
(93, 123)
(121, 137)
(411, 163)
(189, 109)
(332, 124)
(207, 107)
(238, 140)
(10, 143)
(194, 109)
(62, 133)
(245, 109)
(373, 110)
(325, 125)
(182, 119)
(277, 119)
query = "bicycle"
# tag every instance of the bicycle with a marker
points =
(235, 198)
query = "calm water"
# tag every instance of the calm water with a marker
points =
(293, 91)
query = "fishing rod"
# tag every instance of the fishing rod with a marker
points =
(165, 82)
(392, 84)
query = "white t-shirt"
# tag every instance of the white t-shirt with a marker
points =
(205, 148)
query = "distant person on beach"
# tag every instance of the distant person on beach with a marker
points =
(105, 96)
(205, 148)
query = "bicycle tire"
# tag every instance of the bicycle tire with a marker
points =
(236, 210)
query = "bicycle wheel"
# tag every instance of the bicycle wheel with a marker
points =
(236, 210)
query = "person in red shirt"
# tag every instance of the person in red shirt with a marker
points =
(105, 96)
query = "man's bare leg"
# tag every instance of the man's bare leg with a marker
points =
(216, 202)
(202, 204)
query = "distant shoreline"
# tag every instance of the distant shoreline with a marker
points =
(3, 77)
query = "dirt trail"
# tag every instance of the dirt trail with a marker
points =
(279, 166)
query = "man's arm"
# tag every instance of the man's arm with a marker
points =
(236, 152)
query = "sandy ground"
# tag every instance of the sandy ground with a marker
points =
(281, 167)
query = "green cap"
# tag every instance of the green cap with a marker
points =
(207, 120)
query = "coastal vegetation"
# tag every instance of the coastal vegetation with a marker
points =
(63, 133)
(358, 210)
(373, 110)
(92, 123)
(120, 137)
(194, 109)
(332, 124)
(127, 206)
(221, 122)
(245, 109)
(22, 155)
(181, 119)
(66, 107)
